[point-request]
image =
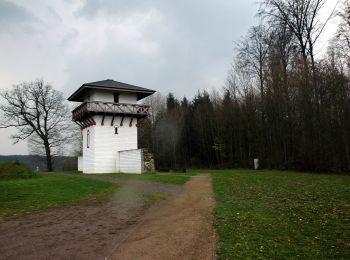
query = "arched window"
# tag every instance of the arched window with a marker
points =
(88, 139)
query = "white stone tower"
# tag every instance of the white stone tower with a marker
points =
(108, 119)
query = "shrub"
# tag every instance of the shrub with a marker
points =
(15, 170)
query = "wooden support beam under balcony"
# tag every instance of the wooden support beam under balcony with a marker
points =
(87, 109)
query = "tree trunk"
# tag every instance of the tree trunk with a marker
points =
(48, 156)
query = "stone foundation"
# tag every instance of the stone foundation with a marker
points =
(148, 161)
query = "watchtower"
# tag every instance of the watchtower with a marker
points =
(108, 118)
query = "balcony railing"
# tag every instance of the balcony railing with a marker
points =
(96, 107)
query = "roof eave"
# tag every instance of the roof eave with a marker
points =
(76, 96)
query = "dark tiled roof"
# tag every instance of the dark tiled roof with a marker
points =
(110, 84)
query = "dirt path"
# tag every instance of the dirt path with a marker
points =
(85, 231)
(124, 227)
(180, 227)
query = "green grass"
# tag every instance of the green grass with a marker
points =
(282, 215)
(178, 179)
(25, 196)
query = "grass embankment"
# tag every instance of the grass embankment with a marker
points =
(178, 179)
(15, 170)
(274, 215)
(26, 196)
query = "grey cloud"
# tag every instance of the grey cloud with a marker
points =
(54, 14)
(68, 37)
(11, 13)
(14, 19)
(197, 45)
(92, 7)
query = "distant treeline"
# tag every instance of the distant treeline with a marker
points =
(60, 163)
(281, 103)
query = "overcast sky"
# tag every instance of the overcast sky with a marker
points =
(179, 46)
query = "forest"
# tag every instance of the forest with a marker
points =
(286, 99)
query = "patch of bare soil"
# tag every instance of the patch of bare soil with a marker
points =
(84, 231)
(180, 227)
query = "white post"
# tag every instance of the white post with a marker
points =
(256, 163)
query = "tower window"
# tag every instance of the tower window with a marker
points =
(88, 139)
(116, 130)
(116, 98)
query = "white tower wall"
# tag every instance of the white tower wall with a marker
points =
(127, 98)
(130, 161)
(107, 96)
(101, 155)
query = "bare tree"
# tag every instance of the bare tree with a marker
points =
(344, 28)
(303, 19)
(39, 112)
(157, 103)
(252, 55)
(72, 144)
(343, 34)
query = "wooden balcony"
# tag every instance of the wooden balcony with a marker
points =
(86, 109)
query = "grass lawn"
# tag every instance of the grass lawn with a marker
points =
(274, 215)
(178, 179)
(28, 195)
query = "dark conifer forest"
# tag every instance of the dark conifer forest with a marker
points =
(286, 100)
